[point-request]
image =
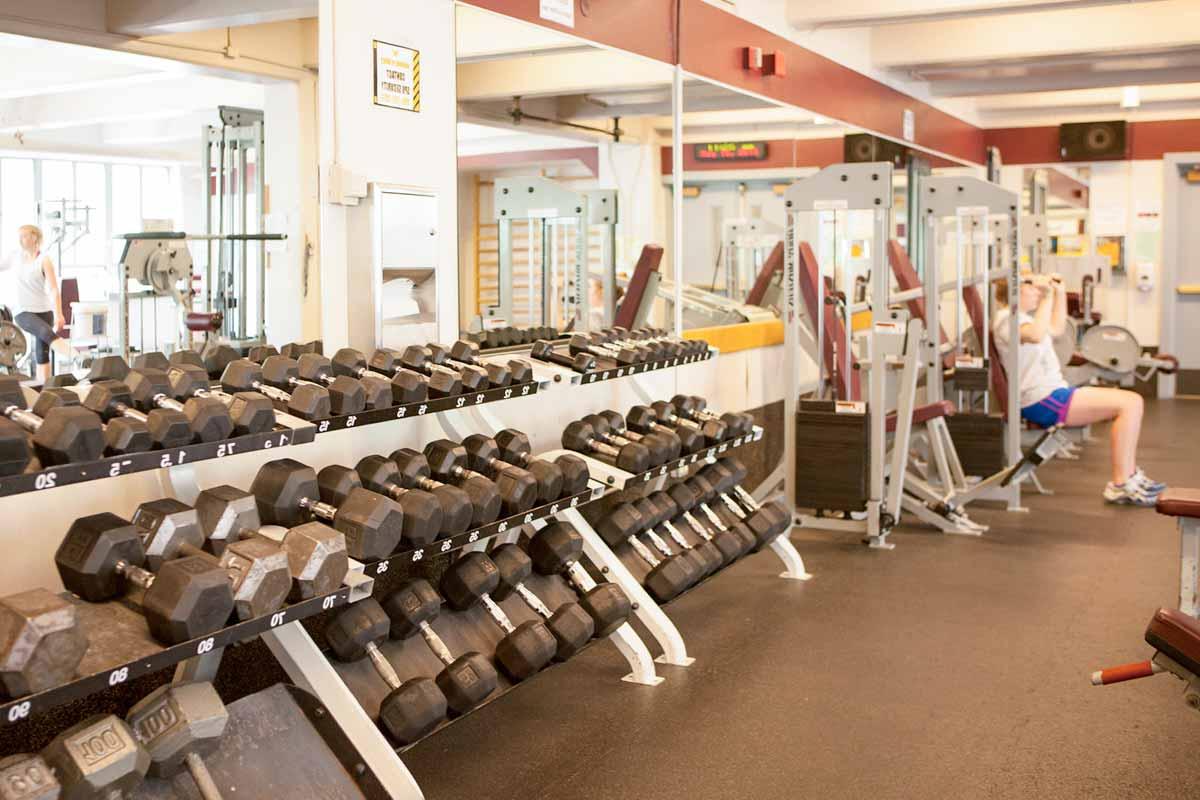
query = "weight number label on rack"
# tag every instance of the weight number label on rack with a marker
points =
(323, 427)
(574, 502)
(278, 618)
(525, 389)
(474, 537)
(19, 712)
(350, 420)
(45, 480)
(422, 409)
(446, 545)
(118, 676)
(114, 469)
(479, 399)
(227, 449)
(401, 411)
(328, 603)
(205, 646)
(502, 527)
(382, 567)
(418, 555)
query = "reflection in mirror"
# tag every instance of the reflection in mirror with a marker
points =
(562, 218)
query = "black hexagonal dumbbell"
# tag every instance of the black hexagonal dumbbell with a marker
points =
(188, 597)
(412, 708)
(660, 448)
(464, 379)
(405, 385)
(308, 401)
(376, 389)
(580, 437)
(257, 568)
(704, 552)
(316, 553)
(251, 412)
(107, 368)
(705, 492)
(525, 489)
(713, 431)
(524, 649)
(297, 349)
(444, 462)
(727, 542)
(483, 455)
(570, 624)
(497, 374)
(217, 357)
(283, 373)
(260, 353)
(693, 407)
(404, 477)
(288, 493)
(42, 641)
(643, 421)
(208, 417)
(578, 362)
(513, 446)
(464, 352)
(63, 436)
(668, 576)
(766, 521)
(122, 435)
(15, 451)
(517, 492)
(113, 400)
(556, 550)
(465, 680)
(614, 356)
(346, 395)
(151, 359)
(608, 339)
(653, 515)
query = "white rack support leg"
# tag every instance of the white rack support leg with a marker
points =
(793, 562)
(299, 655)
(1189, 565)
(648, 611)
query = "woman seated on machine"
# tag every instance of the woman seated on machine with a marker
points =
(1047, 399)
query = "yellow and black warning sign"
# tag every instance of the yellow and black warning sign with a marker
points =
(397, 76)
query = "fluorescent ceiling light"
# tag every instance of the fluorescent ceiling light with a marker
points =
(1130, 97)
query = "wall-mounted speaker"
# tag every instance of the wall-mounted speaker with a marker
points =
(860, 147)
(1093, 141)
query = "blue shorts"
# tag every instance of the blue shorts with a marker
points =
(1050, 410)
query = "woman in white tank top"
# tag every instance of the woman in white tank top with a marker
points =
(38, 299)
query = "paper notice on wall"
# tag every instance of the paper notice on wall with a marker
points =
(397, 76)
(560, 11)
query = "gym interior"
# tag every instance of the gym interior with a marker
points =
(535, 399)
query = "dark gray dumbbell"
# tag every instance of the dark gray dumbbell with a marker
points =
(704, 491)
(446, 462)
(260, 353)
(704, 552)
(465, 680)
(497, 374)
(483, 454)
(579, 362)
(660, 449)
(519, 488)
(714, 431)
(580, 437)
(217, 357)
(692, 407)
(620, 356)
(514, 447)
(178, 725)
(652, 514)
(556, 550)
(102, 555)
(467, 354)
(406, 386)
(766, 522)
(97, 758)
(208, 417)
(152, 359)
(64, 436)
(376, 390)
(308, 401)
(15, 453)
(668, 576)
(251, 412)
(42, 641)
(289, 494)
(422, 511)
(452, 383)
(570, 624)
(297, 349)
(642, 421)
(726, 541)
(405, 478)
(524, 649)
(412, 708)
(113, 400)
(27, 776)
(122, 435)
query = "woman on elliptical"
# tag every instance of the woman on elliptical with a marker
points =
(1047, 399)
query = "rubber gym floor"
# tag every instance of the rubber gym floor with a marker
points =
(951, 667)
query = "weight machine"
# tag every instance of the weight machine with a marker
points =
(747, 244)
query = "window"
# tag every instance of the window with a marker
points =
(91, 207)
(18, 203)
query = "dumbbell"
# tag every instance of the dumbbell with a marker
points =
(438, 383)
(519, 488)
(104, 368)
(727, 542)
(524, 649)
(208, 417)
(113, 401)
(151, 359)
(412, 708)
(346, 395)
(571, 626)
(467, 380)
(767, 522)
(42, 641)
(692, 564)
(465, 352)
(713, 431)
(284, 374)
(705, 491)
(661, 449)
(102, 554)
(288, 493)
(404, 477)
(251, 412)
(663, 348)
(257, 568)
(513, 446)
(608, 339)
(15, 454)
(63, 436)
(178, 725)
(704, 553)
(467, 680)
(506, 496)
(642, 420)
(297, 349)
(27, 776)
(405, 386)
(579, 362)
(582, 343)
(217, 358)
(692, 407)
(483, 455)
(498, 375)
(308, 401)
(668, 576)
(580, 437)
(99, 757)
(122, 435)
(260, 353)
(316, 553)
(186, 357)
(556, 550)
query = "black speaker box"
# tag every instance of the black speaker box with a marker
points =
(1093, 141)
(860, 147)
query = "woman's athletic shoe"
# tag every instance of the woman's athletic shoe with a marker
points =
(1151, 486)
(1129, 493)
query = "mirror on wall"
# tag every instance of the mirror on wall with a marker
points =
(561, 207)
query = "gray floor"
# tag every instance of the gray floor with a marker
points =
(949, 667)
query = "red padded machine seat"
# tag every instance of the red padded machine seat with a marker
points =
(1177, 636)
(942, 408)
(1179, 503)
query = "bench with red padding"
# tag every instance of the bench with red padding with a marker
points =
(1175, 635)
(922, 414)
(1179, 503)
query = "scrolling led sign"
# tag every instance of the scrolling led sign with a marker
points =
(730, 151)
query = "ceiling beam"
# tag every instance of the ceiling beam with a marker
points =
(1055, 82)
(156, 17)
(804, 20)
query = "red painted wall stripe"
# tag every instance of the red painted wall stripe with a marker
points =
(1147, 141)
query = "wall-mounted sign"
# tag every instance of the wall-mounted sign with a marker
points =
(560, 11)
(908, 124)
(397, 76)
(730, 151)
